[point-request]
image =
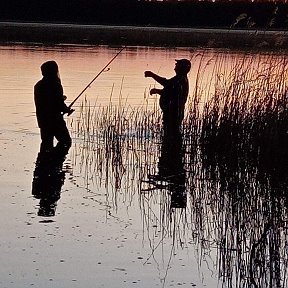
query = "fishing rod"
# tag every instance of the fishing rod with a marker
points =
(101, 71)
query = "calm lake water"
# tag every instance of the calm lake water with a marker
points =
(106, 232)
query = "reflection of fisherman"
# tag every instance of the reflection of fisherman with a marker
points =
(173, 96)
(171, 169)
(48, 179)
(50, 107)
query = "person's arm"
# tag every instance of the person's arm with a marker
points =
(157, 78)
(60, 101)
(156, 91)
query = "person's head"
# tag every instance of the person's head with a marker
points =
(182, 66)
(50, 69)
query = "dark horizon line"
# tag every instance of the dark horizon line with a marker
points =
(55, 34)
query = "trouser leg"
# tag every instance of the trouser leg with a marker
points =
(47, 140)
(63, 137)
(171, 127)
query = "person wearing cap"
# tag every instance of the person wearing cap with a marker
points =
(173, 96)
(50, 108)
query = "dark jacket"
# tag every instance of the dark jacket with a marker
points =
(49, 102)
(174, 96)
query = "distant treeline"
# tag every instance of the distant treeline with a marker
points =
(221, 14)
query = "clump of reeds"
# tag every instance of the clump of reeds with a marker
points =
(248, 110)
(114, 141)
(234, 138)
(242, 140)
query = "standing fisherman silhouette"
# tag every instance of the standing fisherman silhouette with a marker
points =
(172, 102)
(50, 108)
(173, 96)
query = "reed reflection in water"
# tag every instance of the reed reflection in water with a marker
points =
(222, 187)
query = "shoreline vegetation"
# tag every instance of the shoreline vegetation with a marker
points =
(231, 189)
(84, 34)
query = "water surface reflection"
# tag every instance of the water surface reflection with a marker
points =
(209, 207)
(48, 179)
(171, 171)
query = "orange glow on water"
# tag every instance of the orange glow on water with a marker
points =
(20, 70)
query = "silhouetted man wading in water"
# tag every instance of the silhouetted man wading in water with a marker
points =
(173, 96)
(50, 108)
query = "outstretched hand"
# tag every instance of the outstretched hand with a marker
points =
(153, 90)
(148, 74)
